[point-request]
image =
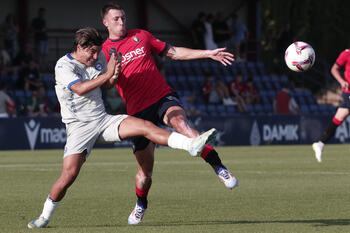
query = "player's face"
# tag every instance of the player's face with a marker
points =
(88, 56)
(115, 22)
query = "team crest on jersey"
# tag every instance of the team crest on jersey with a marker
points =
(137, 40)
(98, 66)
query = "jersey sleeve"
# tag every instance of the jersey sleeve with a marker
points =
(157, 46)
(65, 75)
(343, 57)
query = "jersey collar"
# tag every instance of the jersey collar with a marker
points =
(70, 56)
(117, 40)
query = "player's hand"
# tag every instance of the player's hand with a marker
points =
(344, 85)
(221, 56)
(118, 66)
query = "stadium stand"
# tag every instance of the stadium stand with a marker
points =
(188, 76)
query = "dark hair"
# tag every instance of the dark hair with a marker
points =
(109, 6)
(87, 37)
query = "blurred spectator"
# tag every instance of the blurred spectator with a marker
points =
(239, 35)
(237, 84)
(10, 31)
(208, 35)
(284, 103)
(220, 30)
(189, 105)
(250, 94)
(40, 37)
(237, 89)
(115, 102)
(29, 77)
(7, 105)
(218, 93)
(37, 104)
(198, 30)
(24, 56)
(5, 59)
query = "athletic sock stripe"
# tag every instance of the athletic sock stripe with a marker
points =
(141, 192)
(207, 149)
(336, 121)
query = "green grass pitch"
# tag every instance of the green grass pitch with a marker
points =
(282, 189)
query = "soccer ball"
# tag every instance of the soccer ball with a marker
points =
(299, 56)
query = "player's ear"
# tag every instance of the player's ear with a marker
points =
(104, 21)
(79, 48)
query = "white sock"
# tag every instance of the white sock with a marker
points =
(49, 208)
(179, 141)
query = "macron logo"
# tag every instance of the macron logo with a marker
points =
(130, 56)
(32, 130)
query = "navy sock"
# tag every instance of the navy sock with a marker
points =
(329, 132)
(215, 162)
(142, 201)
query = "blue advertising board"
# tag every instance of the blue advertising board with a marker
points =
(49, 133)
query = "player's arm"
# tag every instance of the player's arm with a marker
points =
(82, 88)
(182, 53)
(335, 71)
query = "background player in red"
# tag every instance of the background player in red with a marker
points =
(343, 61)
(148, 96)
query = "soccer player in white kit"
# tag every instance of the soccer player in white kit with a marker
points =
(78, 77)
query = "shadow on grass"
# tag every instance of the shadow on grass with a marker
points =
(315, 222)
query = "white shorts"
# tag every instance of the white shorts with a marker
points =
(83, 135)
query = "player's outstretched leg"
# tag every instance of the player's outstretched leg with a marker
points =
(175, 117)
(211, 156)
(318, 148)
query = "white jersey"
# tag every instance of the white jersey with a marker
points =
(84, 108)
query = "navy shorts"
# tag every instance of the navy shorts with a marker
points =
(155, 114)
(346, 100)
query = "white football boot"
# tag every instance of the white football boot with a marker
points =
(41, 222)
(201, 141)
(318, 148)
(136, 215)
(227, 178)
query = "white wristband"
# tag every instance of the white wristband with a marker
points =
(115, 76)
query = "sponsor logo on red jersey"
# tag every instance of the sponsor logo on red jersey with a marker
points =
(132, 55)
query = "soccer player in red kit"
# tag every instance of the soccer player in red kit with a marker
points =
(343, 61)
(148, 96)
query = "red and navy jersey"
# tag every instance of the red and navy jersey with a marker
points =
(282, 101)
(344, 61)
(140, 83)
(238, 86)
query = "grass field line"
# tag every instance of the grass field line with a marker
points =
(57, 166)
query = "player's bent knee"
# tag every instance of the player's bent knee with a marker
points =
(143, 177)
(68, 177)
